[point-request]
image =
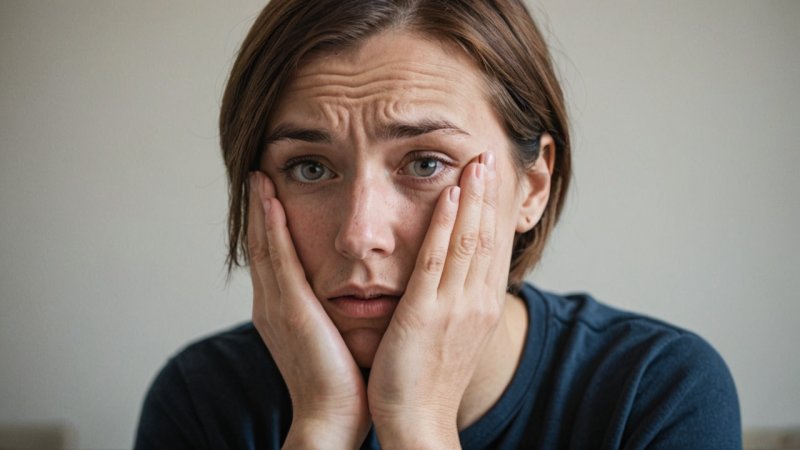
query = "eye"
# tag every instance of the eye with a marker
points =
(424, 167)
(307, 171)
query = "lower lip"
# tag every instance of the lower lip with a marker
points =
(366, 308)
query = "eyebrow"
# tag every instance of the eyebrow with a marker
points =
(404, 130)
(394, 130)
(287, 131)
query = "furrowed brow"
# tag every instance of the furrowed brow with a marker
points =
(400, 130)
(395, 130)
(296, 133)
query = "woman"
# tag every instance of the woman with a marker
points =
(395, 170)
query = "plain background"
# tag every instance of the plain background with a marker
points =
(113, 195)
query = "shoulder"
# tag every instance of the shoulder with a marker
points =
(658, 385)
(233, 357)
(232, 346)
(210, 390)
(578, 322)
(583, 310)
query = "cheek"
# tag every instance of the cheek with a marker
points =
(312, 230)
(413, 218)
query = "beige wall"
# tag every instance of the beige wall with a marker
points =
(112, 193)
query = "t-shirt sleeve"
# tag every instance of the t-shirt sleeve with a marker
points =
(687, 400)
(168, 419)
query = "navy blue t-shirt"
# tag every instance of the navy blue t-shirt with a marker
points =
(591, 377)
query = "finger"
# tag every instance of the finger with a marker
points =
(256, 234)
(503, 244)
(264, 284)
(286, 267)
(480, 268)
(464, 238)
(433, 252)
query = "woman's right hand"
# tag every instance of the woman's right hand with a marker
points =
(329, 397)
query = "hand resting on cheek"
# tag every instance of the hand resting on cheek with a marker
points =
(327, 391)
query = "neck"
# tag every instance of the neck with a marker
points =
(497, 365)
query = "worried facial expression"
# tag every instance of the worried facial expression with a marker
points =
(361, 145)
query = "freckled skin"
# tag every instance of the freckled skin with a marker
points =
(366, 224)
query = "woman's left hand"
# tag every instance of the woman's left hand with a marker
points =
(452, 305)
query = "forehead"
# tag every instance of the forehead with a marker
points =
(407, 57)
(391, 75)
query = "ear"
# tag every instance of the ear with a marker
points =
(535, 185)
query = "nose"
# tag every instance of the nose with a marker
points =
(366, 228)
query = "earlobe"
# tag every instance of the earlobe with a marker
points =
(536, 185)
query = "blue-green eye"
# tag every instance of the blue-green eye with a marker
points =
(309, 171)
(424, 167)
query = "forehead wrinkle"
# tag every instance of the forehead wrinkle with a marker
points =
(351, 75)
(324, 82)
(366, 92)
(337, 109)
(382, 96)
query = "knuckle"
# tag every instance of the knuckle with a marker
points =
(486, 314)
(433, 262)
(466, 244)
(485, 243)
(493, 311)
(257, 252)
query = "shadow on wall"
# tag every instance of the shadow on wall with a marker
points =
(37, 436)
(772, 438)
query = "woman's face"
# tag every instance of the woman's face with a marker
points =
(361, 145)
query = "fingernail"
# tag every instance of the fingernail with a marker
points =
(455, 192)
(489, 161)
(267, 205)
(479, 171)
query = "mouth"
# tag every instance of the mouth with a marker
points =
(365, 303)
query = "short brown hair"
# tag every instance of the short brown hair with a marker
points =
(499, 35)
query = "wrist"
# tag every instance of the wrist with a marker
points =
(317, 433)
(417, 434)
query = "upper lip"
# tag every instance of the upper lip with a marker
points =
(365, 292)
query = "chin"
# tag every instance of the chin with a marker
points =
(363, 343)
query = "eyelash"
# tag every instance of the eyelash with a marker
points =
(287, 168)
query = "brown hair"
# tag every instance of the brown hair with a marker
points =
(499, 35)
